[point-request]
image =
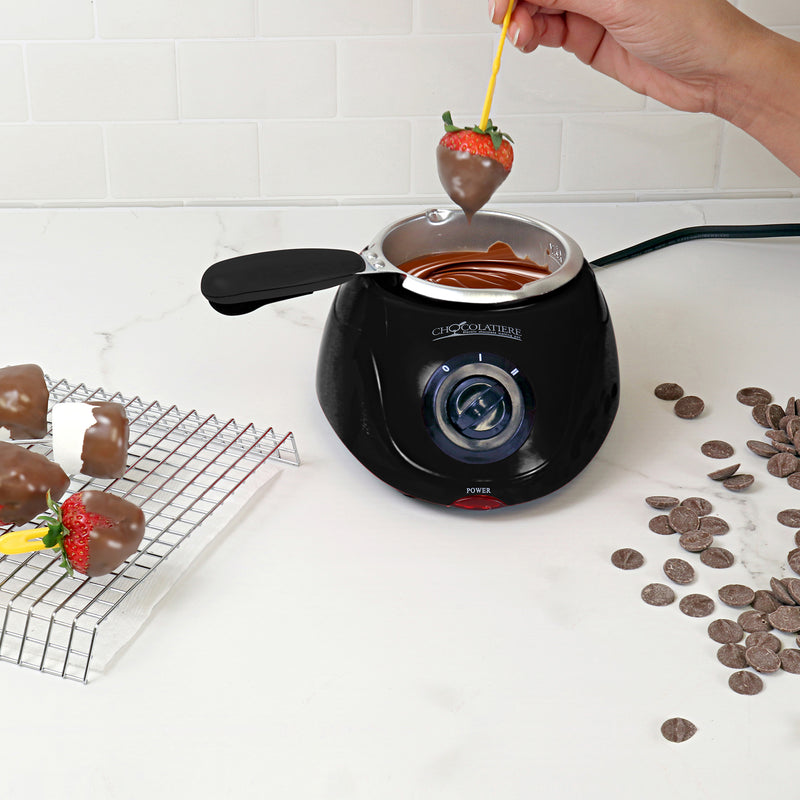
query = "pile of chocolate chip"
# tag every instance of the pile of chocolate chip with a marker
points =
(750, 644)
(783, 433)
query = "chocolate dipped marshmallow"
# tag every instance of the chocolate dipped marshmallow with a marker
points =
(91, 438)
(23, 402)
(25, 479)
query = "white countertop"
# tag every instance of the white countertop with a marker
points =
(344, 641)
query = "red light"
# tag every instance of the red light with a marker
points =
(478, 502)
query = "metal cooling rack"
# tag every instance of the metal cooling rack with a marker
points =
(181, 467)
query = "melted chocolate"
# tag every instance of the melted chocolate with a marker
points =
(23, 401)
(469, 180)
(112, 542)
(105, 444)
(497, 268)
(25, 479)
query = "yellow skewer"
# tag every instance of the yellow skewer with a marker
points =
(24, 541)
(487, 104)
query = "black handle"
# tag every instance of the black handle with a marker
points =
(242, 284)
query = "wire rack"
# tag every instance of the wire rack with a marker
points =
(181, 467)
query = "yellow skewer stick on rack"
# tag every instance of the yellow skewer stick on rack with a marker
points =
(23, 541)
(487, 104)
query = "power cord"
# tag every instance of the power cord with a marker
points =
(699, 232)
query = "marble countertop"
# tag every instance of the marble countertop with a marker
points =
(344, 641)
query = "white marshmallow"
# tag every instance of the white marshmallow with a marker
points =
(70, 423)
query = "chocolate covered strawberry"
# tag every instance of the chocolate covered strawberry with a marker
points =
(472, 163)
(96, 531)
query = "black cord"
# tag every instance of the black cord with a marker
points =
(700, 232)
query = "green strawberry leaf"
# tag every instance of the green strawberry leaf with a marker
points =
(449, 127)
(491, 130)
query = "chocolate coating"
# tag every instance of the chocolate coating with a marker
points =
(117, 539)
(23, 401)
(469, 180)
(25, 479)
(105, 444)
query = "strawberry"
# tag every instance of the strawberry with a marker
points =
(472, 163)
(96, 531)
(489, 142)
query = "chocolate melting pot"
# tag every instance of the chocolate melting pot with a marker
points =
(467, 363)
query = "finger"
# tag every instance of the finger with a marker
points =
(521, 28)
(498, 8)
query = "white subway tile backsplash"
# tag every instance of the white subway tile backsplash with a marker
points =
(455, 16)
(180, 19)
(102, 81)
(251, 79)
(331, 101)
(13, 94)
(537, 163)
(745, 164)
(46, 19)
(549, 81)
(183, 161)
(333, 158)
(629, 151)
(413, 76)
(52, 162)
(333, 17)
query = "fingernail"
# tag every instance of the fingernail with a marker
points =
(513, 33)
(491, 9)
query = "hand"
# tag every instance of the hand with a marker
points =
(677, 51)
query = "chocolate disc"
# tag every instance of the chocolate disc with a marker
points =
(678, 730)
(761, 448)
(696, 605)
(777, 437)
(744, 682)
(736, 595)
(717, 558)
(785, 618)
(753, 395)
(699, 505)
(763, 639)
(657, 594)
(661, 502)
(790, 660)
(738, 482)
(668, 391)
(689, 407)
(774, 415)
(716, 448)
(764, 601)
(780, 592)
(660, 525)
(790, 517)
(679, 571)
(752, 621)
(627, 558)
(716, 526)
(760, 414)
(732, 655)
(782, 465)
(696, 541)
(725, 631)
(683, 519)
(793, 558)
(762, 659)
(725, 472)
(793, 587)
